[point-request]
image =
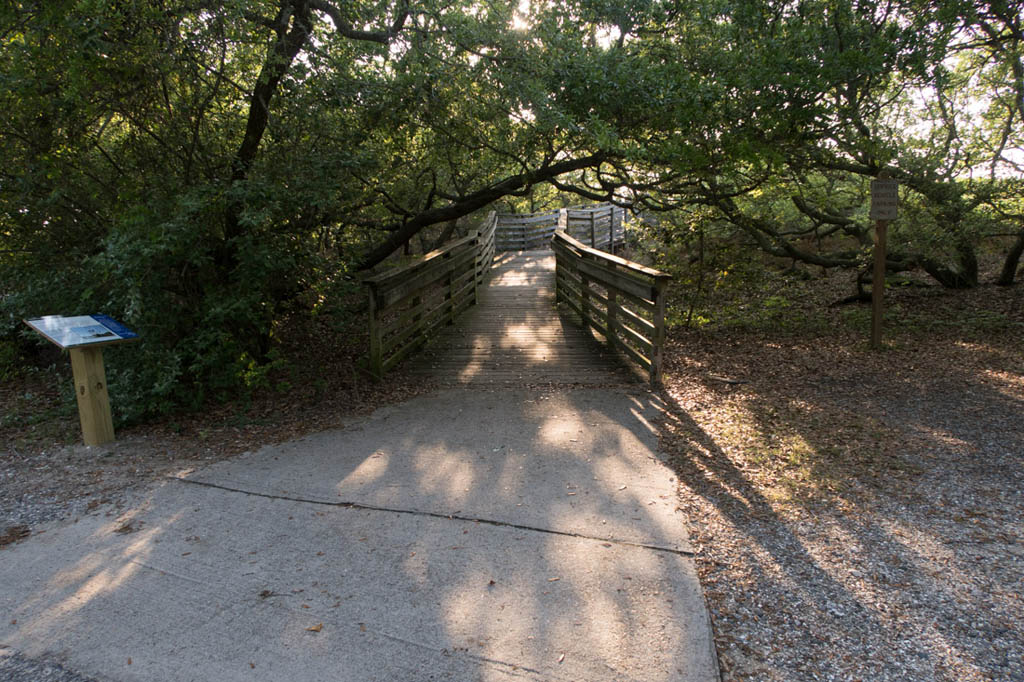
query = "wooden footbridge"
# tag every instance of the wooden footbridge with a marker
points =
(489, 315)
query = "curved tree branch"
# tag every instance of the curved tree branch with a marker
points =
(402, 232)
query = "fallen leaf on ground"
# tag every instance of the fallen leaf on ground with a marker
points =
(315, 628)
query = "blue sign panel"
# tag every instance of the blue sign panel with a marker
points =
(83, 330)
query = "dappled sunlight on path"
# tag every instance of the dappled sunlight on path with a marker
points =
(517, 336)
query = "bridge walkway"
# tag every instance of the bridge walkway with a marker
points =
(516, 335)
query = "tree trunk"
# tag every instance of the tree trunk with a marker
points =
(1009, 273)
(446, 234)
(286, 46)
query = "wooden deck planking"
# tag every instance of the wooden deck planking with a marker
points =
(516, 335)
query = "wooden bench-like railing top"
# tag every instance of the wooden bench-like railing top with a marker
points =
(417, 264)
(562, 236)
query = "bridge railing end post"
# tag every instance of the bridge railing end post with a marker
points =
(658, 342)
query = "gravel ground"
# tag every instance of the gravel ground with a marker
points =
(16, 668)
(857, 516)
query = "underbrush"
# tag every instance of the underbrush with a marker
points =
(313, 381)
(743, 293)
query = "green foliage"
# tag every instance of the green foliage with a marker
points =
(202, 172)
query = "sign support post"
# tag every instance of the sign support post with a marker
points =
(878, 284)
(884, 207)
(84, 337)
(91, 392)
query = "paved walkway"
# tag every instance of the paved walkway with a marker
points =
(500, 533)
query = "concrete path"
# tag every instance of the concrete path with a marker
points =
(470, 534)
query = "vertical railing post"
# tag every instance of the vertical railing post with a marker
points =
(478, 266)
(619, 226)
(658, 342)
(611, 228)
(451, 293)
(610, 321)
(593, 233)
(376, 360)
(584, 298)
(559, 265)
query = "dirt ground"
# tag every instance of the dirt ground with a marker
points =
(858, 513)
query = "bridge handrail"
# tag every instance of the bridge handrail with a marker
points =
(623, 300)
(408, 303)
(601, 225)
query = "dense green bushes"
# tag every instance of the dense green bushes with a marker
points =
(203, 171)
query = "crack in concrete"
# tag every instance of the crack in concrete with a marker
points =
(460, 652)
(437, 515)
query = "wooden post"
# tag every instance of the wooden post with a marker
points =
(376, 361)
(593, 233)
(559, 267)
(884, 207)
(658, 342)
(451, 297)
(621, 229)
(611, 229)
(609, 320)
(478, 269)
(91, 392)
(878, 284)
(584, 298)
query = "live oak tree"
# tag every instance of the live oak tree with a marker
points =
(202, 169)
(928, 91)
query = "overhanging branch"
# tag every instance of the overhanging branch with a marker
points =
(402, 232)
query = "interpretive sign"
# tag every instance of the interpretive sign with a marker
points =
(84, 337)
(884, 199)
(83, 330)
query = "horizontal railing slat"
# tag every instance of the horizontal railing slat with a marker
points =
(618, 280)
(608, 293)
(440, 285)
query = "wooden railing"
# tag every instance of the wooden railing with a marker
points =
(599, 226)
(410, 303)
(525, 231)
(623, 300)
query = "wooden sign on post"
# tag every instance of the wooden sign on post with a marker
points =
(84, 336)
(884, 207)
(884, 198)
